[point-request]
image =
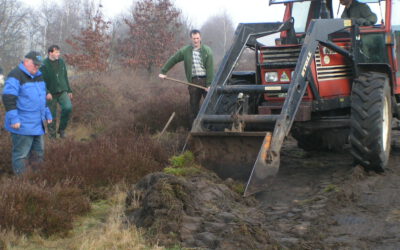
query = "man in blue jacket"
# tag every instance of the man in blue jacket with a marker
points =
(24, 98)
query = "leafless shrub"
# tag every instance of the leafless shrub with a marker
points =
(28, 205)
(121, 155)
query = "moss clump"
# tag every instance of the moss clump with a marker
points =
(331, 188)
(182, 165)
(238, 188)
(183, 160)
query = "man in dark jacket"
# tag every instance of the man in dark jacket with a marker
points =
(24, 98)
(58, 89)
(199, 69)
(360, 12)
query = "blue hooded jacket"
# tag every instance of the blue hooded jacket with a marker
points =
(24, 97)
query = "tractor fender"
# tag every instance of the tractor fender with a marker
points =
(377, 67)
(386, 69)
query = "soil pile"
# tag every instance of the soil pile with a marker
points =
(197, 212)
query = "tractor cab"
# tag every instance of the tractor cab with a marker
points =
(375, 38)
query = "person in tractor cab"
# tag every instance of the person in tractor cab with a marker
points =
(360, 12)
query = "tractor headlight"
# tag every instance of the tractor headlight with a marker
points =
(271, 76)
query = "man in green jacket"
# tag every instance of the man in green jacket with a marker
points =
(360, 12)
(58, 90)
(199, 69)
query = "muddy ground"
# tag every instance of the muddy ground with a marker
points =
(318, 200)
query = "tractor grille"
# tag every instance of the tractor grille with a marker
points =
(272, 55)
(288, 56)
(331, 72)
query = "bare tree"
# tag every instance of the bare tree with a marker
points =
(13, 19)
(119, 29)
(34, 27)
(59, 21)
(153, 29)
(49, 13)
(217, 32)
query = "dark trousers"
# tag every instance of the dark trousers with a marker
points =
(195, 97)
(26, 149)
(66, 109)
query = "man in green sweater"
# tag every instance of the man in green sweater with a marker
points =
(199, 69)
(58, 90)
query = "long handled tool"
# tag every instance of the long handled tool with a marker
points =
(166, 125)
(187, 83)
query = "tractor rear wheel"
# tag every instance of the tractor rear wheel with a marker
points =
(371, 118)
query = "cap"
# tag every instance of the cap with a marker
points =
(35, 56)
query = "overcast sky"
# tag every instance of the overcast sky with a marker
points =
(198, 11)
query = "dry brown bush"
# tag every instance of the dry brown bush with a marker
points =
(5, 151)
(27, 206)
(150, 102)
(134, 98)
(122, 155)
(153, 113)
(93, 101)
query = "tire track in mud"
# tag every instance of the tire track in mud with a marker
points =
(320, 200)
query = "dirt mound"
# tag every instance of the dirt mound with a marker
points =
(196, 212)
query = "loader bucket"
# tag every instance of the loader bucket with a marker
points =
(238, 156)
(228, 154)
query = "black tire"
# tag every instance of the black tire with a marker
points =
(370, 123)
(227, 104)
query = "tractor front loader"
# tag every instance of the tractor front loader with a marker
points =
(321, 85)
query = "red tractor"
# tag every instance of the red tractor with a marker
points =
(326, 80)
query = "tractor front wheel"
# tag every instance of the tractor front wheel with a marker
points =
(371, 118)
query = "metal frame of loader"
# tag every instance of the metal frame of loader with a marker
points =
(268, 157)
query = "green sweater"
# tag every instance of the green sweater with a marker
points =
(55, 75)
(185, 54)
